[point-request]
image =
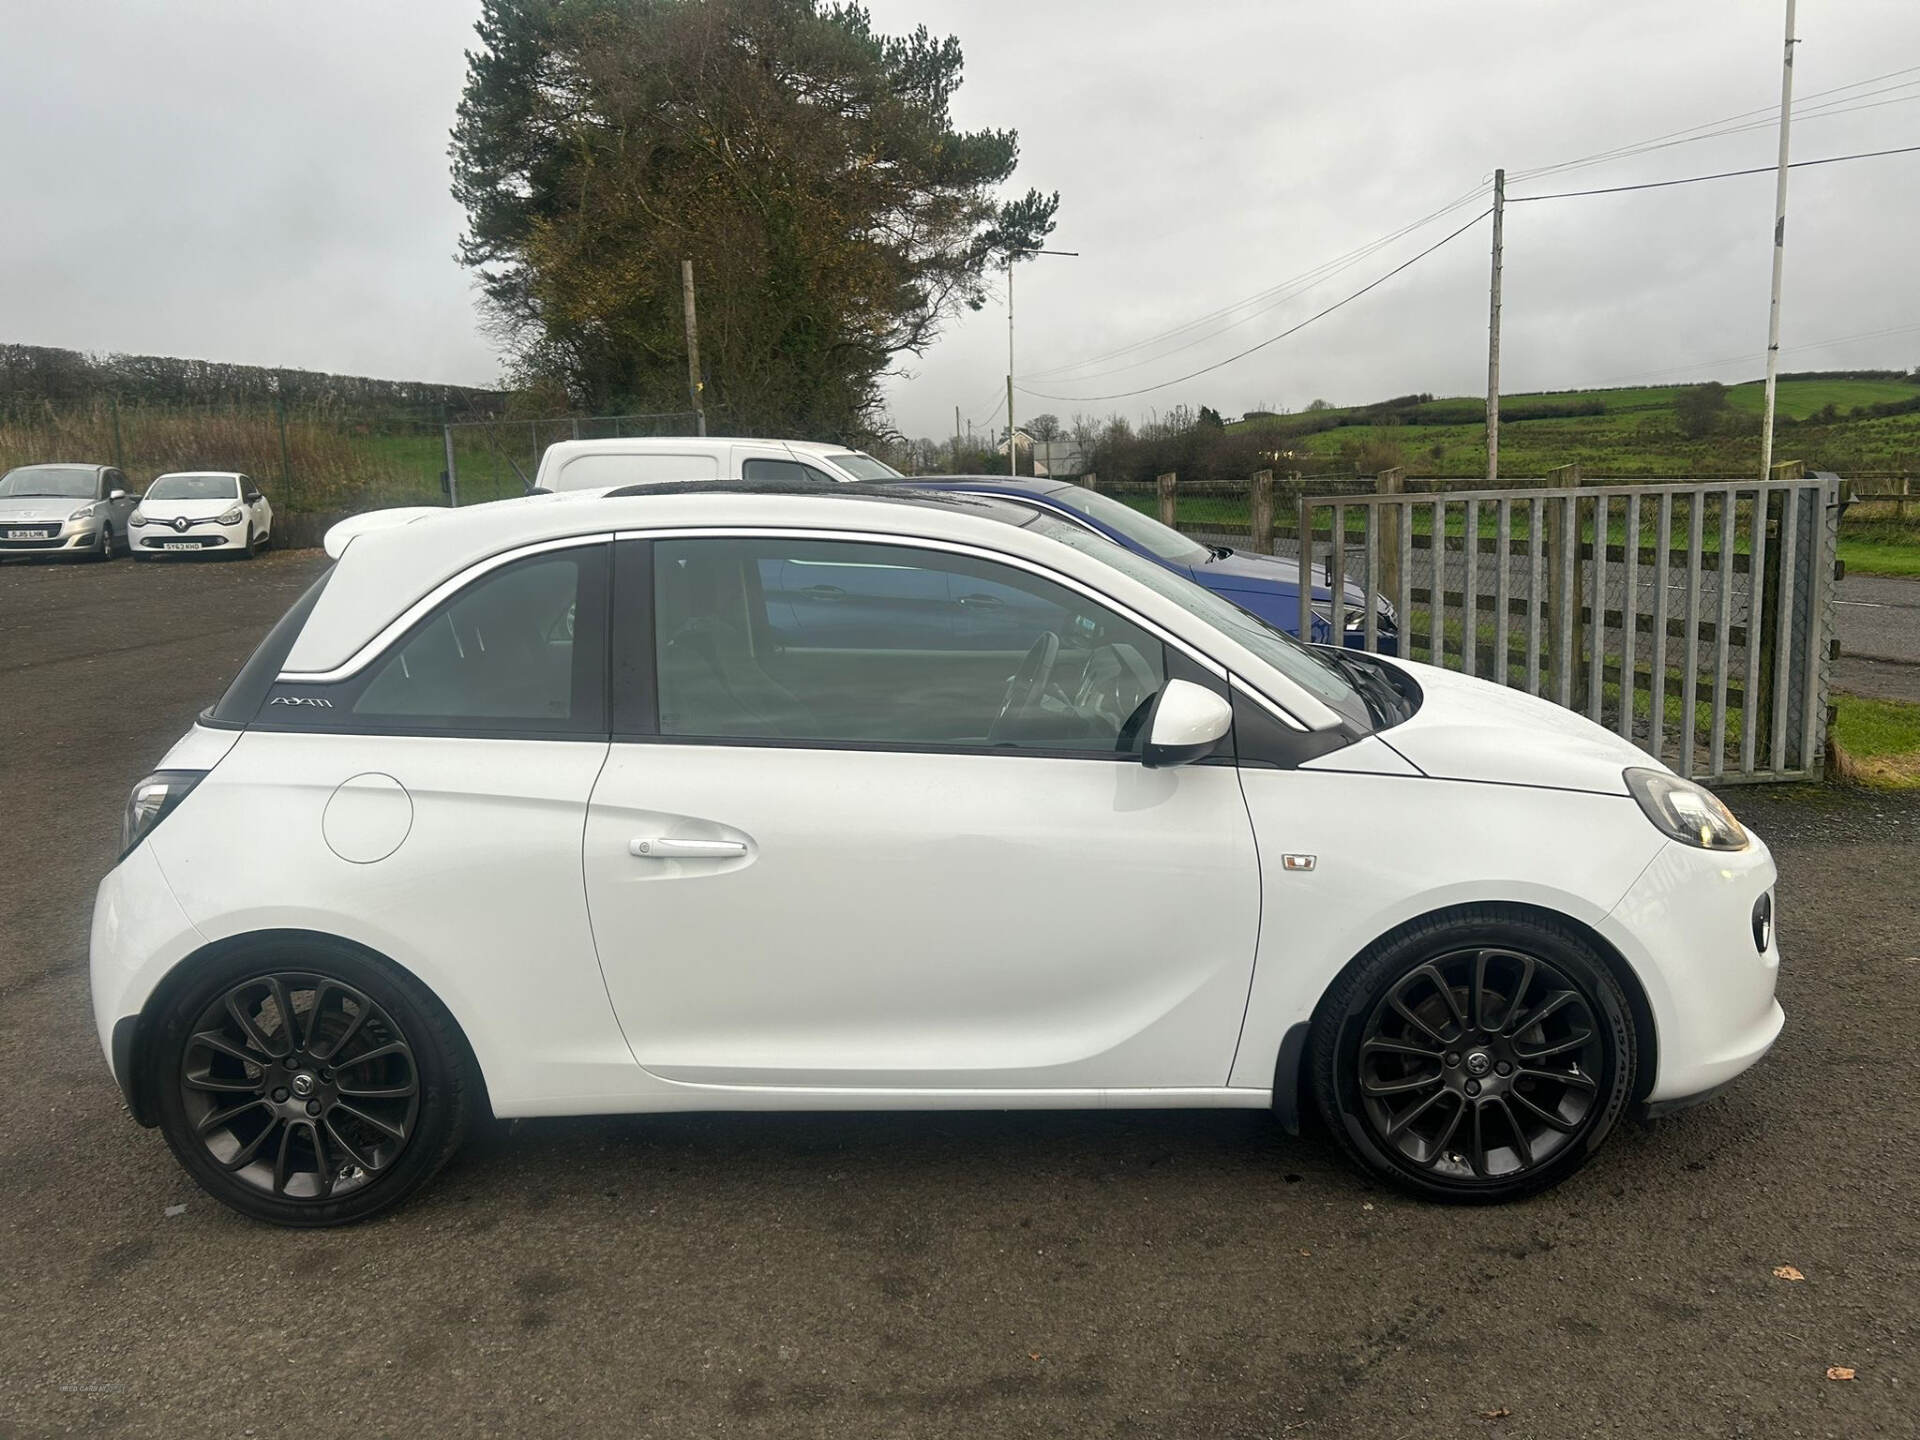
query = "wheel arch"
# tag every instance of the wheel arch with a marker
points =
(1292, 1083)
(133, 1034)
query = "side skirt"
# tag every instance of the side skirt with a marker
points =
(760, 1097)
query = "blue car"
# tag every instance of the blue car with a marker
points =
(1264, 585)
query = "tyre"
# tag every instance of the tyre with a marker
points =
(104, 551)
(1477, 1057)
(307, 1084)
(247, 552)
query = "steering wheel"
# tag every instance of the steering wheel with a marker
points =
(1028, 684)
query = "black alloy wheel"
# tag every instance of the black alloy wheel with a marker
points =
(310, 1094)
(1476, 1058)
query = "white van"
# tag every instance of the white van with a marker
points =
(661, 460)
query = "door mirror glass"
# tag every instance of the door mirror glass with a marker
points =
(1188, 722)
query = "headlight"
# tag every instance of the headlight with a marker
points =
(152, 800)
(84, 512)
(1686, 812)
(137, 518)
(232, 517)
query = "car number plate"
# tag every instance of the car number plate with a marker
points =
(29, 534)
(179, 545)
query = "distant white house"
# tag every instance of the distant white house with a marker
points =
(1056, 458)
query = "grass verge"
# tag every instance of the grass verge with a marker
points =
(1877, 742)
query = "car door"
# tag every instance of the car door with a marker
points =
(843, 867)
(121, 509)
(257, 506)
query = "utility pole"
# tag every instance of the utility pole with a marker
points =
(956, 439)
(1012, 256)
(1012, 451)
(1779, 248)
(1493, 330)
(694, 387)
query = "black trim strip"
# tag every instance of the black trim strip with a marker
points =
(633, 685)
(1286, 1077)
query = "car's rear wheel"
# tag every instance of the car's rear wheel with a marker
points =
(1480, 1056)
(307, 1084)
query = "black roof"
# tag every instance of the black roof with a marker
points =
(1007, 510)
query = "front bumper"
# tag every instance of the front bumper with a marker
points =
(1686, 927)
(65, 537)
(160, 537)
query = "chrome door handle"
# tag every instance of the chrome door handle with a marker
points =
(656, 849)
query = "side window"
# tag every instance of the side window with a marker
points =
(521, 649)
(846, 642)
(761, 468)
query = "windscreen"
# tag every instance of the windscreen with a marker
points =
(1306, 667)
(55, 482)
(194, 487)
(1157, 539)
(865, 467)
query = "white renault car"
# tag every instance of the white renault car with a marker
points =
(201, 511)
(708, 798)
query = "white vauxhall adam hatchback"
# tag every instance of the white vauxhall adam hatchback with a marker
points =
(726, 799)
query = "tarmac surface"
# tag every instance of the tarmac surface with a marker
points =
(1878, 620)
(1132, 1274)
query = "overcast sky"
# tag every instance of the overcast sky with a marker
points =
(265, 181)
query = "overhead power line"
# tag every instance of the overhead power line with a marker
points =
(1265, 300)
(1717, 175)
(1762, 117)
(1272, 339)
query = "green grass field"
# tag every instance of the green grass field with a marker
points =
(1879, 741)
(1637, 434)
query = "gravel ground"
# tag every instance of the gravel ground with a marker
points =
(1054, 1274)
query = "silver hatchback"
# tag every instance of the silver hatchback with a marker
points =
(65, 509)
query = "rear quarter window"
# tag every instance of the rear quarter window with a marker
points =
(249, 688)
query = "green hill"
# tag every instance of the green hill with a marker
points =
(1852, 423)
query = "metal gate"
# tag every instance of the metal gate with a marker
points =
(1693, 619)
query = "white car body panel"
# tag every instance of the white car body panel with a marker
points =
(1473, 730)
(1389, 849)
(482, 901)
(905, 928)
(809, 960)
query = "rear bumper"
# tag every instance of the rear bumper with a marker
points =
(139, 933)
(1686, 928)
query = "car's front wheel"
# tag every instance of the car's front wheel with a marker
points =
(1479, 1056)
(306, 1083)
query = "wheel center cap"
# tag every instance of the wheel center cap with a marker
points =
(303, 1084)
(1478, 1063)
